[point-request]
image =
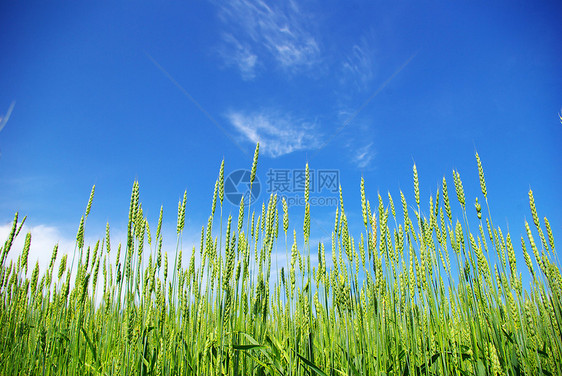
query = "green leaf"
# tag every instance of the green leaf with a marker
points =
(188, 354)
(90, 344)
(249, 337)
(400, 357)
(247, 347)
(278, 354)
(406, 371)
(276, 345)
(312, 366)
(421, 369)
(509, 336)
(351, 365)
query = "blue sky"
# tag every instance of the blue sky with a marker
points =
(109, 92)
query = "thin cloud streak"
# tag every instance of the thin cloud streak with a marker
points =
(364, 155)
(4, 119)
(257, 30)
(241, 56)
(277, 134)
(177, 84)
(366, 102)
(358, 66)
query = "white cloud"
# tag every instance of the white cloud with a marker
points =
(241, 56)
(363, 156)
(356, 137)
(45, 237)
(358, 66)
(4, 118)
(278, 134)
(257, 29)
(43, 240)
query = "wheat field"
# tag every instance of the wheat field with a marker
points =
(418, 291)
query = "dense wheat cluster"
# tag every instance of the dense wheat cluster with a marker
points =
(415, 293)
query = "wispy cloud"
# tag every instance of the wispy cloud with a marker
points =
(240, 55)
(359, 145)
(358, 67)
(257, 30)
(278, 134)
(4, 118)
(364, 155)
